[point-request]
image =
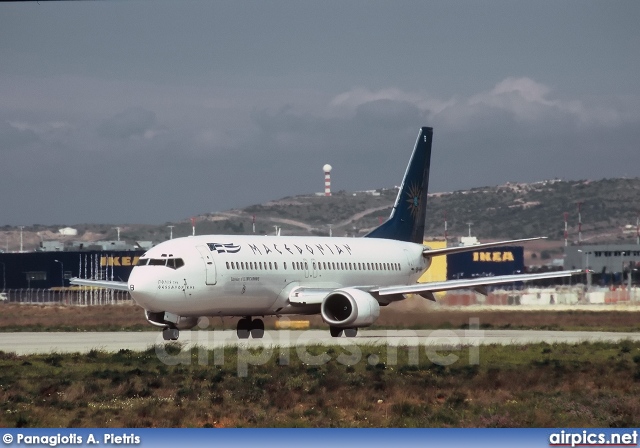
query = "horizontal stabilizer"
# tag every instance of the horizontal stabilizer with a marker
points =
(458, 249)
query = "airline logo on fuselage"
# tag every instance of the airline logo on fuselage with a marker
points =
(283, 249)
(294, 249)
(227, 248)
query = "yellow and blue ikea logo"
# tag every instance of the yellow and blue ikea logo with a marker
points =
(118, 261)
(494, 256)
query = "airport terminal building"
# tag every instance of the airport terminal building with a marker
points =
(611, 263)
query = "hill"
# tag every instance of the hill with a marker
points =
(610, 209)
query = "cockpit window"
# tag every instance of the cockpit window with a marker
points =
(175, 263)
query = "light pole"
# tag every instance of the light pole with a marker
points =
(61, 271)
(587, 267)
(21, 228)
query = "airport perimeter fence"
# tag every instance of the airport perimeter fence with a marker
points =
(81, 297)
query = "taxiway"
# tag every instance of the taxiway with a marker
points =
(24, 343)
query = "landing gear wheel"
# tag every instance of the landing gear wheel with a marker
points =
(335, 332)
(257, 329)
(244, 328)
(170, 334)
(350, 332)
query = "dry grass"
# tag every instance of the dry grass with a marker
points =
(15, 317)
(534, 386)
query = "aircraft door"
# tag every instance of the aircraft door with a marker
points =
(314, 268)
(209, 265)
(306, 268)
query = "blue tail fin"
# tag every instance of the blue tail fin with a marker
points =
(406, 222)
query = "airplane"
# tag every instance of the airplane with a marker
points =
(345, 280)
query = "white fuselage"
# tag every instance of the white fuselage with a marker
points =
(239, 275)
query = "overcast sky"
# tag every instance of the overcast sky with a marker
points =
(153, 111)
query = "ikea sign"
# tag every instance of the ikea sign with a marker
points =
(505, 260)
(494, 256)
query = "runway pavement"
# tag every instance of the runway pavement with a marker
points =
(43, 342)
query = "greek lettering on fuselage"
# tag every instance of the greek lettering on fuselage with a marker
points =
(294, 249)
(118, 261)
(173, 284)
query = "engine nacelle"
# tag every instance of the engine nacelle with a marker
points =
(349, 308)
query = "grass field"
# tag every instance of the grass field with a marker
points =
(523, 386)
(528, 386)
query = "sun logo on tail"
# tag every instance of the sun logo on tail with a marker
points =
(414, 194)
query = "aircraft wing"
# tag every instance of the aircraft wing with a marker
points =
(473, 283)
(458, 249)
(121, 286)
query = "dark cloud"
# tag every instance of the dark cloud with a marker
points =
(111, 114)
(133, 122)
(12, 137)
(389, 114)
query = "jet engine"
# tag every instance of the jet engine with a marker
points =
(349, 308)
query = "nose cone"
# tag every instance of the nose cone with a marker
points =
(143, 288)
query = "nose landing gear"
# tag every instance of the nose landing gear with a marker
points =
(248, 327)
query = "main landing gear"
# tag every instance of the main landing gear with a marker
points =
(170, 334)
(348, 332)
(247, 326)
